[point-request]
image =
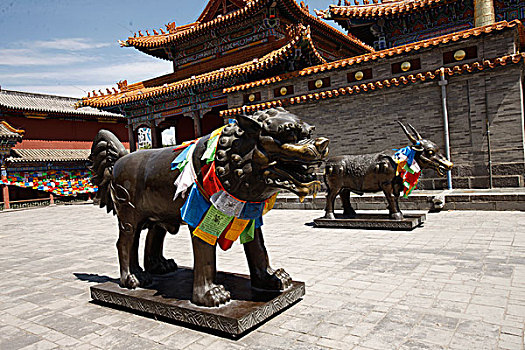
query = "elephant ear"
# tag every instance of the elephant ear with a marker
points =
(249, 125)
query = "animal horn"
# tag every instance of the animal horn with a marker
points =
(415, 132)
(410, 137)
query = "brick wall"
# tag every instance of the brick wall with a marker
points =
(366, 122)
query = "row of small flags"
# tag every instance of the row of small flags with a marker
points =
(58, 182)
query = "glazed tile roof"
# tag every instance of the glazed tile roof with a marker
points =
(30, 102)
(380, 84)
(377, 9)
(373, 56)
(8, 132)
(302, 35)
(54, 144)
(190, 31)
(211, 8)
(48, 155)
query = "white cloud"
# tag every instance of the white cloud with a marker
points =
(59, 66)
(102, 74)
(29, 57)
(71, 44)
(55, 52)
(76, 81)
(59, 90)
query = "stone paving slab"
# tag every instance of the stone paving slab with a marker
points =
(458, 282)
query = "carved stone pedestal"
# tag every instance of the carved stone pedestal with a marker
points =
(169, 297)
(373, 221)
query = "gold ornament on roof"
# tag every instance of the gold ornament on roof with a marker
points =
(405, 66)
(359, 75)
(283, 91)
(251, 98)
(318, 83)
(459, 55)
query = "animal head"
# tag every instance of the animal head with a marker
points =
(268, 151)
(428, 154)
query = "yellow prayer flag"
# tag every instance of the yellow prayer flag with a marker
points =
(206, 237)
(238, 225)
(270, 202)
(216, 132)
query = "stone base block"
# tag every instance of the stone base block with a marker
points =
(169, 297)
(373, 221)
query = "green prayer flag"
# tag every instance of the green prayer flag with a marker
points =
(215, 221)
(248, 234)
(408, 169)
(211, 147)
(182, 165)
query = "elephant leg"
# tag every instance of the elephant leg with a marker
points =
(205, 291)
(348, 212)
(393, 206)
(330, 201)
(131, 274)
(154, 260)
(261, 274)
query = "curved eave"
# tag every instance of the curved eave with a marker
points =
(343, 13)
(155, 41)
(395, 51)
(80, 115)
(148, 44)
(312, 20)
(266, 62)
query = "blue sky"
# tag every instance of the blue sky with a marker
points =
(69, 47)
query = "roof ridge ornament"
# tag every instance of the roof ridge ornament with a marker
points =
(122, 85)
(171, 27)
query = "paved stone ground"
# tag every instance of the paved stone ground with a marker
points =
(457, 283)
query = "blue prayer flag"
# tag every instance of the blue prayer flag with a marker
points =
(252, 210)
(194, 208)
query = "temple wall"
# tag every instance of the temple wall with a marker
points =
(366, 121)
(66, 130)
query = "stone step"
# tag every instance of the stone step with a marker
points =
(459, 199)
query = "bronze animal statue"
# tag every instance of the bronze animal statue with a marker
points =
(254, 158)
(377, 172)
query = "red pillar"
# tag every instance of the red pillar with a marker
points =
(5, 190)
(156, 136)
(132, 139)
(197, 123)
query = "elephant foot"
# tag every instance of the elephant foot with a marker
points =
(160, 265)
(134, 280)
(329, 216)
(212, 297)
(396, 216)
(276, 281)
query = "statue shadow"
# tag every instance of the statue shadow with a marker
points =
(90, 277)
(179, 285)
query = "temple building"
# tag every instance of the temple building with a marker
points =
(232, 42)
(452, 68)
(44, 145)
(389, 23)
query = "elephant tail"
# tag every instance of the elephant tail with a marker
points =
(105, 151)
